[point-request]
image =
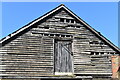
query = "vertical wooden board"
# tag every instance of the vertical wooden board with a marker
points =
(63, 61)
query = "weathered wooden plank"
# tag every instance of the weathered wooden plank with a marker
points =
(31, 54)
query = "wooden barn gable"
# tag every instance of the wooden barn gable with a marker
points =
(53, 12)
(57, 43)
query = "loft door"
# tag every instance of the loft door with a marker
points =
(63, 56)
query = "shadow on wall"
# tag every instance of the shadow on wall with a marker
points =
(67, 79)
(61, 79)
(84, 79)
(115, 79)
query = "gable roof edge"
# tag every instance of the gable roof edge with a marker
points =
(52, 11)
(97, 33)
(30, 24)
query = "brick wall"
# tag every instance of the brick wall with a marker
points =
(115, 66)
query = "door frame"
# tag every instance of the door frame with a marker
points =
(63, 73)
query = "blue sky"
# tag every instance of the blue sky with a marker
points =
(102, 16)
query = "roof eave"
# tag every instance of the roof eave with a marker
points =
(30, 24)
(54, 10)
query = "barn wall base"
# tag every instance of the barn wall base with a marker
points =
(98, 79)
(66, 79)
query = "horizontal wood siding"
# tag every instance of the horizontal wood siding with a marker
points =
(85, 62)
(31, 54)
(28, 55)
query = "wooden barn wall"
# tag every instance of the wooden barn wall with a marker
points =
(31, 54)
(28, 56)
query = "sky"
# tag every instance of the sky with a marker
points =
(102, 16)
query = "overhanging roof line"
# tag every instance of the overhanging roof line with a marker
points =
(30, 24)
(106, 40)
(68, 10)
